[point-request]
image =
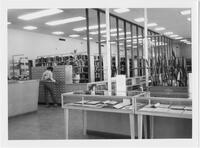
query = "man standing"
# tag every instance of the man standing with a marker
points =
(48, 83)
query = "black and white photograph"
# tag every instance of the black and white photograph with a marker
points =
(89, 74)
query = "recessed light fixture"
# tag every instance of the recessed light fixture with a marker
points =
(189, 19)
(184, 40)
(112, 43)
(39, 14)
(159, 28)
(104, 31)
(30, 27)
(90, 27)
(8, 23)
(151, 24)
(189, 43)
(121, 10)
(86, 38)
(168, 33)
(186, 12)
(74, 35)
(141, 19)
(174, 35)
(178, 38)
(58, 32)
(65, 21)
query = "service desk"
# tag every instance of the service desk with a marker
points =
(22, 97)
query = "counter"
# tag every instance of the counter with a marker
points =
(118, 124)
(22, 97)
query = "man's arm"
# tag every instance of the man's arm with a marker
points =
(51, 77)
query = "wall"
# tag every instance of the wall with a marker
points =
(33, 44)
(182, 50)
(186, 51)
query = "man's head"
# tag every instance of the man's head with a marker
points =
(50, 68)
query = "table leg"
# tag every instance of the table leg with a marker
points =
(145, 126)
(132, 125)
(84, 122)
(139, 126)
(151, 127)
(66, 113)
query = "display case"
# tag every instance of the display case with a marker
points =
(164, 107)
(168, 117)
(103, 111)
(103, 102)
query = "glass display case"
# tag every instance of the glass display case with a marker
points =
(166, 107)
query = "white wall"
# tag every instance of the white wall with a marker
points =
(182, 50)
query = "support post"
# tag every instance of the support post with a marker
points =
(88, 44)
(99, 44)
(108, 51)
(146, 46)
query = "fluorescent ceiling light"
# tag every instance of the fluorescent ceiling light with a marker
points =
(189, 43)
(39, 14)
(121, 33)
(121, 10)
(8, 23)
(183, 40)
(90, 27)
(74, 35)
(178, 38)
(58, 32)
(141, 19)
(121, 44)
(185, 12)
(86, 38)
(159, 28)
(174, 35)
(112, 43)
(151, 24)
(168, 33)
(30, 27)
(189, 19)
(104, 31)
(65, 21)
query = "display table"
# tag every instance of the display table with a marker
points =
(166, 107)
(69, 102)
(22, 97)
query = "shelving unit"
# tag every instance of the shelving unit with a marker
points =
(81, 63)
(97, 70)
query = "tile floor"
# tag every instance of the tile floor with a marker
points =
(47, 123)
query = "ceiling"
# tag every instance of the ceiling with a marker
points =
(170, 18)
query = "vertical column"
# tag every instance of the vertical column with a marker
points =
(132, 53)
(126, 59)
(99, 41)
(88, 44)
(142, 63)
(138, 59)
(108, 50)
(118, 52)
(146, 46)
